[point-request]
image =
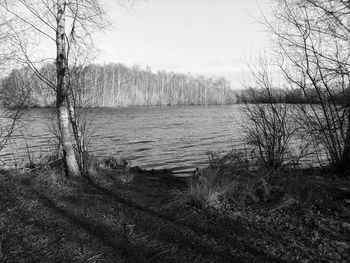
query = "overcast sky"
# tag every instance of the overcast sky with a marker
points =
(198, 36)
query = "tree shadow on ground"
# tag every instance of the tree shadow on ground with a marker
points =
(113, 238)
(227, 239)
(96, 222)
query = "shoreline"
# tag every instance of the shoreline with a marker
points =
(124, 106)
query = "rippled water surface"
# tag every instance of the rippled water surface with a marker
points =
(152, 137)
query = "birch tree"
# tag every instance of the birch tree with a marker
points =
(38, 29)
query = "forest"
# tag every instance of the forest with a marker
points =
(115, 85)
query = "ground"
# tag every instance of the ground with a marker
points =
(120, 216)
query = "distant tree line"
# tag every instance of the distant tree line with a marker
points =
(23, 82)
(292, 96)
(118, 85)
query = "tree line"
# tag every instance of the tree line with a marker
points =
(292, 96)
(115, 85)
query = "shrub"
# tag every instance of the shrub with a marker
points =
(270, 133)
(268, 127)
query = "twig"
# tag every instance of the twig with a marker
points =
(163, 252)
(2, 236)
(95, 257)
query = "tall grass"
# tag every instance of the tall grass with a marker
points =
(205, 189)
(233, 177)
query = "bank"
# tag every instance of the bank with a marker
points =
(128, 214)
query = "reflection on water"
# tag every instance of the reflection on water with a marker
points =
(152, 137)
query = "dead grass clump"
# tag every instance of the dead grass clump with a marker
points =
(233, 177)
(109, 162)
(113, 162)
(110, 168)
(205, 189)
(241, 167)
(43, 162)
(53, 178)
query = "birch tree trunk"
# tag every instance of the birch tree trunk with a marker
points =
(72, 168)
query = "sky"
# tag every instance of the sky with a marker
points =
(208, 37)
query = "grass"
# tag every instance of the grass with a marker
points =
(277, 201)
(228, 177)
(112, 162)
(205, 189)
(226, 213)
(236, 177)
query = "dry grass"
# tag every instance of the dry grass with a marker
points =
(229, 177)
(46, 218)
(96, 164)
(205, 189)
(238, 177)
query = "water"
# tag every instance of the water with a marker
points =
(151, 137)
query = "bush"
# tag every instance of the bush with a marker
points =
(270, 133)
(270, 128)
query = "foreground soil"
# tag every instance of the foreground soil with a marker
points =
(132, 217)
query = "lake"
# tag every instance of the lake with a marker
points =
(175, 137)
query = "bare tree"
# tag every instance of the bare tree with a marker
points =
(312, 40)
(64, 25)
